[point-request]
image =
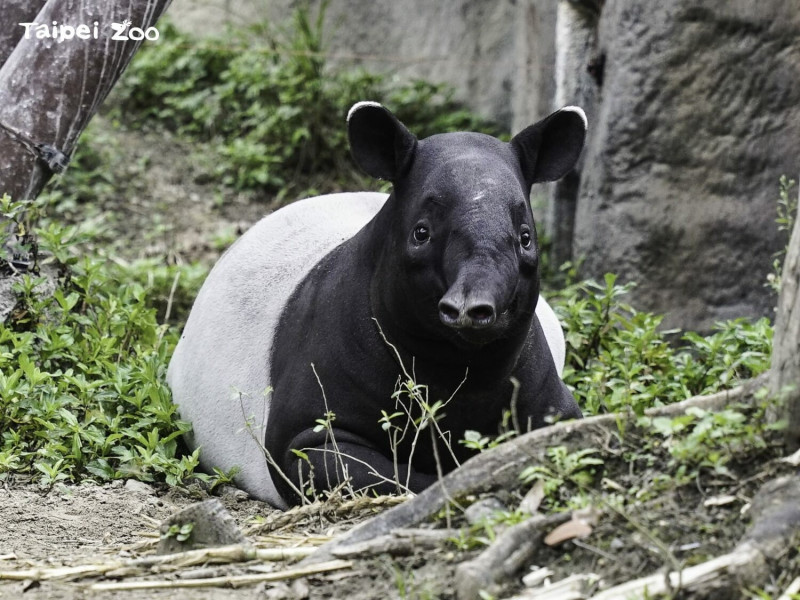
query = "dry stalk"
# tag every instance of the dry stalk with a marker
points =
(792, 590)
(229, 581)
(330, 508)
(654, 585)
(179, 560)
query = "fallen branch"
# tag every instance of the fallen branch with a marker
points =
(400, 542)
(792, 590)
(329, 507)
(229, 581)
(692, 577)
(501, 466)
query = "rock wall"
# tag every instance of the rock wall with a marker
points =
(697, 118)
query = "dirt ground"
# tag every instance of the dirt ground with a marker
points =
(649, 519)
(89, 523)
(672, 523)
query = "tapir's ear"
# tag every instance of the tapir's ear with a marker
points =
(548, 150)
(381, 145)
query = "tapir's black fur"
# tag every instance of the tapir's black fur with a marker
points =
(450, 237)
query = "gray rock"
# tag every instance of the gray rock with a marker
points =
(233, 493)
(138, 487)
(483, 508)
(694, 114)
(699, 115)
(206, 524)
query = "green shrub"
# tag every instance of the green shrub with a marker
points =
(82, 371)
(617, 358)
(269, 104)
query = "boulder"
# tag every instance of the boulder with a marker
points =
(698, 117)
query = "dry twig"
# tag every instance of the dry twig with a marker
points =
(229, 581)
(325, 508)
(179, 560)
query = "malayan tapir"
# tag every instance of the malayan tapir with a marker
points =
(320, 306)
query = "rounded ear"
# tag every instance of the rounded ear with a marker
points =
(380, 144)
(549, 149)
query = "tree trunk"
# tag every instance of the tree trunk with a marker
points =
(14, 13)
(50, 89)
(785, 372)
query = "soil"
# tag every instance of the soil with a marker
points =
(672, 523)
(88, 524)
(171, 213)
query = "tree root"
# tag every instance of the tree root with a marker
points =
(401, 542)
(505, 557)
(501, 466)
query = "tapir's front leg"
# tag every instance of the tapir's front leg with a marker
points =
(344, 457)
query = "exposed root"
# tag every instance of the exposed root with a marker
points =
(330, 508)
(501, 466)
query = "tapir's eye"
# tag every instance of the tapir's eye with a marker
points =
(525, 238)
(421, 234)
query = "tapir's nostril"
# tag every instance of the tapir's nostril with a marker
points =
(481, 314)
(473, 316)
(448, 312)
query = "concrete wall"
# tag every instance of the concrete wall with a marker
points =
(498, 54)
(694, 112)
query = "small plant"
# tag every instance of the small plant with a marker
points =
(408, 588)
(181, 532)
(82, 369)
(787, 214)
(484, 532)
(701, 439)
(564, 470)
(19, 250)
(218, 477)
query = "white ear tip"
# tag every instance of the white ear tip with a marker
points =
(576, 109)
(363, 103)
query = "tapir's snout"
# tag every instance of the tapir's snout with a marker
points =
(459, 311)
(480, 294)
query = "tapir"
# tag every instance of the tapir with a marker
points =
(295, 361)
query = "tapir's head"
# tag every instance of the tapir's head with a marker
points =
(462, 243)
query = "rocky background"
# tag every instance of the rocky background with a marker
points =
(694, 111)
